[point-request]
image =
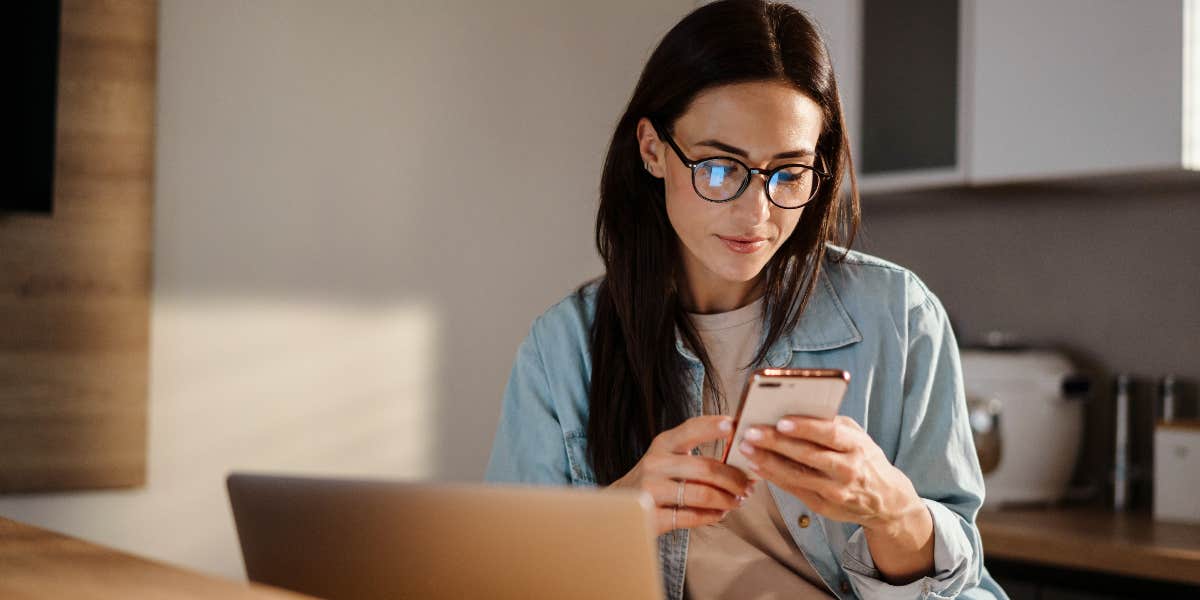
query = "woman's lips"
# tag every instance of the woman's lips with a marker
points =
(744, 245)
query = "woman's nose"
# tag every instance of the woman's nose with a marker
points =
(753, 202)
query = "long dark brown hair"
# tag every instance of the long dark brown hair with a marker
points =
(639, 385)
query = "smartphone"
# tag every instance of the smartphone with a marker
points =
(771, 394)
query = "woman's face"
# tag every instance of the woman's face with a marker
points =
(726, 245)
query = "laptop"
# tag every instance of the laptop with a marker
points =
(357, 539)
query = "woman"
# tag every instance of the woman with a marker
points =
(719, 214)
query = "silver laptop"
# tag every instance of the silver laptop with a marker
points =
(363, 539)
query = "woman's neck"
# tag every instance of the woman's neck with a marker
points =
(710, 297)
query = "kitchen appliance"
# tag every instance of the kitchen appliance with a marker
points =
(1027, 418)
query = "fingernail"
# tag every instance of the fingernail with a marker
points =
(726, 425)
(723, 514)
(785, 425)
(753, 466)
(747, 448)
(754, 434)
(741, 500)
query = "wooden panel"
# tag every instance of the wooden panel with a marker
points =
(1094, 539)
(35, 563)
(75, 286)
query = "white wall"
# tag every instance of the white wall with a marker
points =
(360, 208)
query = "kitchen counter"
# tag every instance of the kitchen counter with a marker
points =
(35, 563)
(1094, 539)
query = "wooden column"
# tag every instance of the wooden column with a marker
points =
(75, 286)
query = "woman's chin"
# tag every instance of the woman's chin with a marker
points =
(742, 272)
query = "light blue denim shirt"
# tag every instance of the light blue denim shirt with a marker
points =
(868, 316)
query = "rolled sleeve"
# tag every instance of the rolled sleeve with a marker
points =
(951, 558)
(937, 454)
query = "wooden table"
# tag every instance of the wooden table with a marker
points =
(35, 563)
(1094, 539)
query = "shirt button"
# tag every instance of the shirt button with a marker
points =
(845, 586)
(803, 520)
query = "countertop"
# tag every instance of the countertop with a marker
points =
(1094, 539)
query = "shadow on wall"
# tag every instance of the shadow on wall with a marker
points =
(1110, 267)
(347, 157)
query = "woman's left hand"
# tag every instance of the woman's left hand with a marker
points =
(835, 468)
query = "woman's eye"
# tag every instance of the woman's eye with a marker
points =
(786, 178)
(792, 177)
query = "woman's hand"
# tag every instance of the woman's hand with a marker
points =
(712, 488)
(835, 468)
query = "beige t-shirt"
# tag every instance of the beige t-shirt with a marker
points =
(750, 554)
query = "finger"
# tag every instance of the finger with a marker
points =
(790, 474)
(696, 494)
(693, 432)
(686, 518)
(707, 470)
(834, 434)
(830, 463)
(850, 422)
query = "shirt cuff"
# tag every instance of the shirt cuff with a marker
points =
(952, 556)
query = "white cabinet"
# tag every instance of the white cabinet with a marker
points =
(1068, 87)
(985, 91)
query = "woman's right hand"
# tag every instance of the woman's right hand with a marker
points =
(712, 489)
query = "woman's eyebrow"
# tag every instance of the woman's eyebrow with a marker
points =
(722, 146)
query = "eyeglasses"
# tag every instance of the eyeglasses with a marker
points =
(724, 178)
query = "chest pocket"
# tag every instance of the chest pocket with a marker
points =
(577, 458)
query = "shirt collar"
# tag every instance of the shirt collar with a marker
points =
(825, 323)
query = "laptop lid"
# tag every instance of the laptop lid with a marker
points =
(365, 539)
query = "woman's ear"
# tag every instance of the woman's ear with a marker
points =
(650, 148)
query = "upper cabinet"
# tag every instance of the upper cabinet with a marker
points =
(943, 92)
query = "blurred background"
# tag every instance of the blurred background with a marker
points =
(354, 210)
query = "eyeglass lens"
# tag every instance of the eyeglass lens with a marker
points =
(720, 179)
